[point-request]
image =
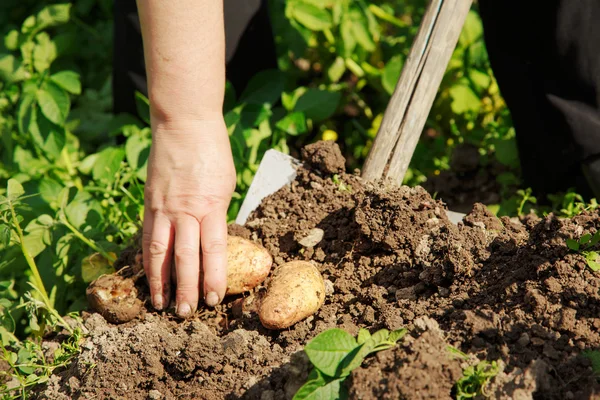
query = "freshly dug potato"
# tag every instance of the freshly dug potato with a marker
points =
(115, 297)
(295, 292)
(248, 265)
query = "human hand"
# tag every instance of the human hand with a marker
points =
(191, 178)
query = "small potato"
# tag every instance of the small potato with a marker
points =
(115, 298)
(295, 292)
(248, 265)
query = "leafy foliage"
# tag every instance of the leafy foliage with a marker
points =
(583, 246)
(475, 378)
(335, 353)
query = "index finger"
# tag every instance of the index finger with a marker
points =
(213, 238)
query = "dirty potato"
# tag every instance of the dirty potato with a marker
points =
(295, 292)
(248, 265)
(115, 298)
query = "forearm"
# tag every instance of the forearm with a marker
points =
(184, 50)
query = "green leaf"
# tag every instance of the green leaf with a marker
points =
(348, 38)
(108, 163)
(315, 390)
(506, 151)
(68, 80)
(585, 238)
(8, 66)
(254, 114)
(49, 190)
(5, 234)
(87, 164)
(11, 40)
(362, 35)
(38, 234)
(137, 151)
(318, 104)
(142, 104)
(293, 124)
(53, 15)
(54, 102)
(7, 321)
(595, 239)
(44, 52)
(481, 80)
(591, 258)
(95, 265)
(391, 73)
(464, 99)
(25, 357)
(397, 335)
(48, 136)
(14, 189)
(472, 29)
(594, 357)
(82, 210)
(264, 87)
(337, 69)
(327, 350)
(26, 113)
(572, 244)
(312, 17)
(363, 336)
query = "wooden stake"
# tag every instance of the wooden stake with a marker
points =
(411, 102)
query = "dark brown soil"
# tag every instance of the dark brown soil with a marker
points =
(471, 179)
(496, 289)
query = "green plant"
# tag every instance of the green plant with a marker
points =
(335, 353)
(583, 246)
(475, 379)
(570, 204)
(27, 361)
(594, 357)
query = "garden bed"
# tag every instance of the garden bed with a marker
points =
(496, 289)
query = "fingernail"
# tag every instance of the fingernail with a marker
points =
(211, 299)
(184, 310)
(158, 302)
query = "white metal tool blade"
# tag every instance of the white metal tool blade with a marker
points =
(274, 172)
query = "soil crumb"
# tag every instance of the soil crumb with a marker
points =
(496, 289)
(324, 156)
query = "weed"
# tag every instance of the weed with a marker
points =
(583, 246)
(335, 353)
(594, 357)
(475, 379)
(570, 204)
(342, 186)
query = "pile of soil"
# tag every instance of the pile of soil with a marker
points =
(494, 288)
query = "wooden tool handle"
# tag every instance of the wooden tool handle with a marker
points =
(411, 102)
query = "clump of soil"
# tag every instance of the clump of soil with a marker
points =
(420, 366)
(494, 288)
(325, 156)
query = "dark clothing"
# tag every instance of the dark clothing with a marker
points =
(546, 58)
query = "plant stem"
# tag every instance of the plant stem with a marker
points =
(89, 242)
(32, 266)
(37, 278)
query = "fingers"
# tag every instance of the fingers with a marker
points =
(187, 264)
(157, 245)
(214, 257)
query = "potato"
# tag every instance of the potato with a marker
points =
(115, 298)
(248, 265)
(295, 292)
